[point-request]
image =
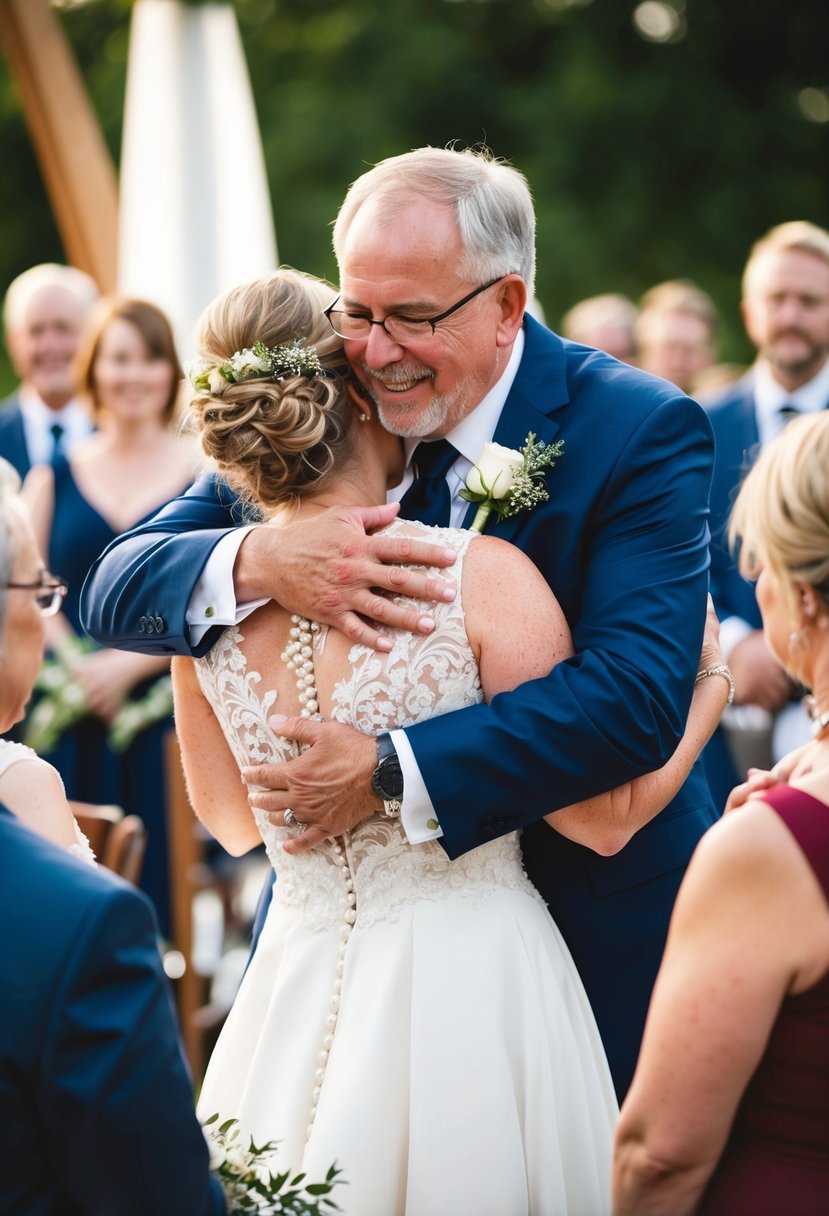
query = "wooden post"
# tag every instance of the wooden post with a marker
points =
(77, 168)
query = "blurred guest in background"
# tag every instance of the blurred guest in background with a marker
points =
(785, 309)
(728, 1113)
(29, 787)
(129, 372)
(44, 314)
(676, 332)
(605, 322)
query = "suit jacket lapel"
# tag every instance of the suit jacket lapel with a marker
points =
(539, 388)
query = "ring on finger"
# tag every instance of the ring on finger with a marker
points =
(291, 820)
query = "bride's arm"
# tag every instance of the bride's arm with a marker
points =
(214, 783)
(519, 633)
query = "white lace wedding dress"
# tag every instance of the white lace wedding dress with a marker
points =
(12, 753)
(418, 1020)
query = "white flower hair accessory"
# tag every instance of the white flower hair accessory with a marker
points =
(277, 362)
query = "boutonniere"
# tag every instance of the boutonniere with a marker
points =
(507, 481)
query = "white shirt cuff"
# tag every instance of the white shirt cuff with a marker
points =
(732, 630)
(213, 601)
(417, 813)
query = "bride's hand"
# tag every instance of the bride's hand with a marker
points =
(757, 780)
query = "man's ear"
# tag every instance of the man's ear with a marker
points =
(513, 301)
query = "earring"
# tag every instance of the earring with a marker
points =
(362, 417)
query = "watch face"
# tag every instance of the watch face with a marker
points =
(388, 778)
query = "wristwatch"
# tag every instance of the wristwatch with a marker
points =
(387, 778)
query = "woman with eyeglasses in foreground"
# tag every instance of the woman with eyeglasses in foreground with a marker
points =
(29, 787)
(728, 1114)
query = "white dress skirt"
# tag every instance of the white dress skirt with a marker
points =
(416, 1020)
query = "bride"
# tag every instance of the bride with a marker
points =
(417, 1019)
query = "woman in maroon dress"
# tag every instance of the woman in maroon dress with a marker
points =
(728, 1114)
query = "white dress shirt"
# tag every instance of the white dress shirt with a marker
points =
(38, 420)
(214, 603)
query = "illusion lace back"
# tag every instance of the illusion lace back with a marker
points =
(12, 753)
(408, 1015)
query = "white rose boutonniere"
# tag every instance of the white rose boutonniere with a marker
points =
(507, 481)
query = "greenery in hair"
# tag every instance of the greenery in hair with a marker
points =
(276, 362)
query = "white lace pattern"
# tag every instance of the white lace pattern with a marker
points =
(371, 872)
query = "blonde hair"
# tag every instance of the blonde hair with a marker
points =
(795, 234)
(781, 516)
(492, 203)
(275, 441)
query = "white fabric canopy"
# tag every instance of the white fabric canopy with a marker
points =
(196, 215)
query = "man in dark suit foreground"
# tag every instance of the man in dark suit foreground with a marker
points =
(96, 1106)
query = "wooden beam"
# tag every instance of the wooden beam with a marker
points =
(74, 160)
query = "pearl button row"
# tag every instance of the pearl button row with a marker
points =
(349, 917)
(299, 656)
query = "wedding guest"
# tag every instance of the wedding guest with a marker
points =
(676, 332)
(29, 787)
(96, 1106)
(44, 314)
(728, 1114)
(128, 371)
(785, 309)
(606, 322)
(436, 250)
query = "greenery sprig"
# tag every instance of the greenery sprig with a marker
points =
(251, 1186)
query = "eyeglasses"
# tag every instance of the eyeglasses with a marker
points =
(52, 592)
(401, 329)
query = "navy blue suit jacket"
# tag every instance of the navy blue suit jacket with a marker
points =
(623, 542)
(12, 436)
(96, 1105)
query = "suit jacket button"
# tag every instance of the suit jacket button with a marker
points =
(159, 624)
(142, 624)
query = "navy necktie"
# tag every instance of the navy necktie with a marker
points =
(428, 498)
(57, 436)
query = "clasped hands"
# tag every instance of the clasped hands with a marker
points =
(331, 569)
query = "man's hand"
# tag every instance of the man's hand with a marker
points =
(331, 569)
(758, 677)
(327, 787)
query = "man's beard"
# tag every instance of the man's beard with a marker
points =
(437, 418)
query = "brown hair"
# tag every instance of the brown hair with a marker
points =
(275, 441)
(154, 328)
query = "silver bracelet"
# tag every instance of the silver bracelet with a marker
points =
(722, 669)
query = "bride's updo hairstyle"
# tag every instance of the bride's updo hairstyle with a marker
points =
(274, 440)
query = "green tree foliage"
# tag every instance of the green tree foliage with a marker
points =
(648, 160)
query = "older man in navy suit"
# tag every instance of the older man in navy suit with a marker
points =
(786, 314)
(437, 257)
(44, 314)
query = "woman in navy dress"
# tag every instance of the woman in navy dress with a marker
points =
(137, 460)
(728, 1114)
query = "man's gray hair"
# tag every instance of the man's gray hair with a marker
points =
(9, 535)
(47, 274)
(492, 202)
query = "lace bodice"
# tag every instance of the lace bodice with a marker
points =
(12, 753)
(371, 872)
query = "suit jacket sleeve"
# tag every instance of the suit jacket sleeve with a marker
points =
(617, 709)
(116, 1099)
(152, 570)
